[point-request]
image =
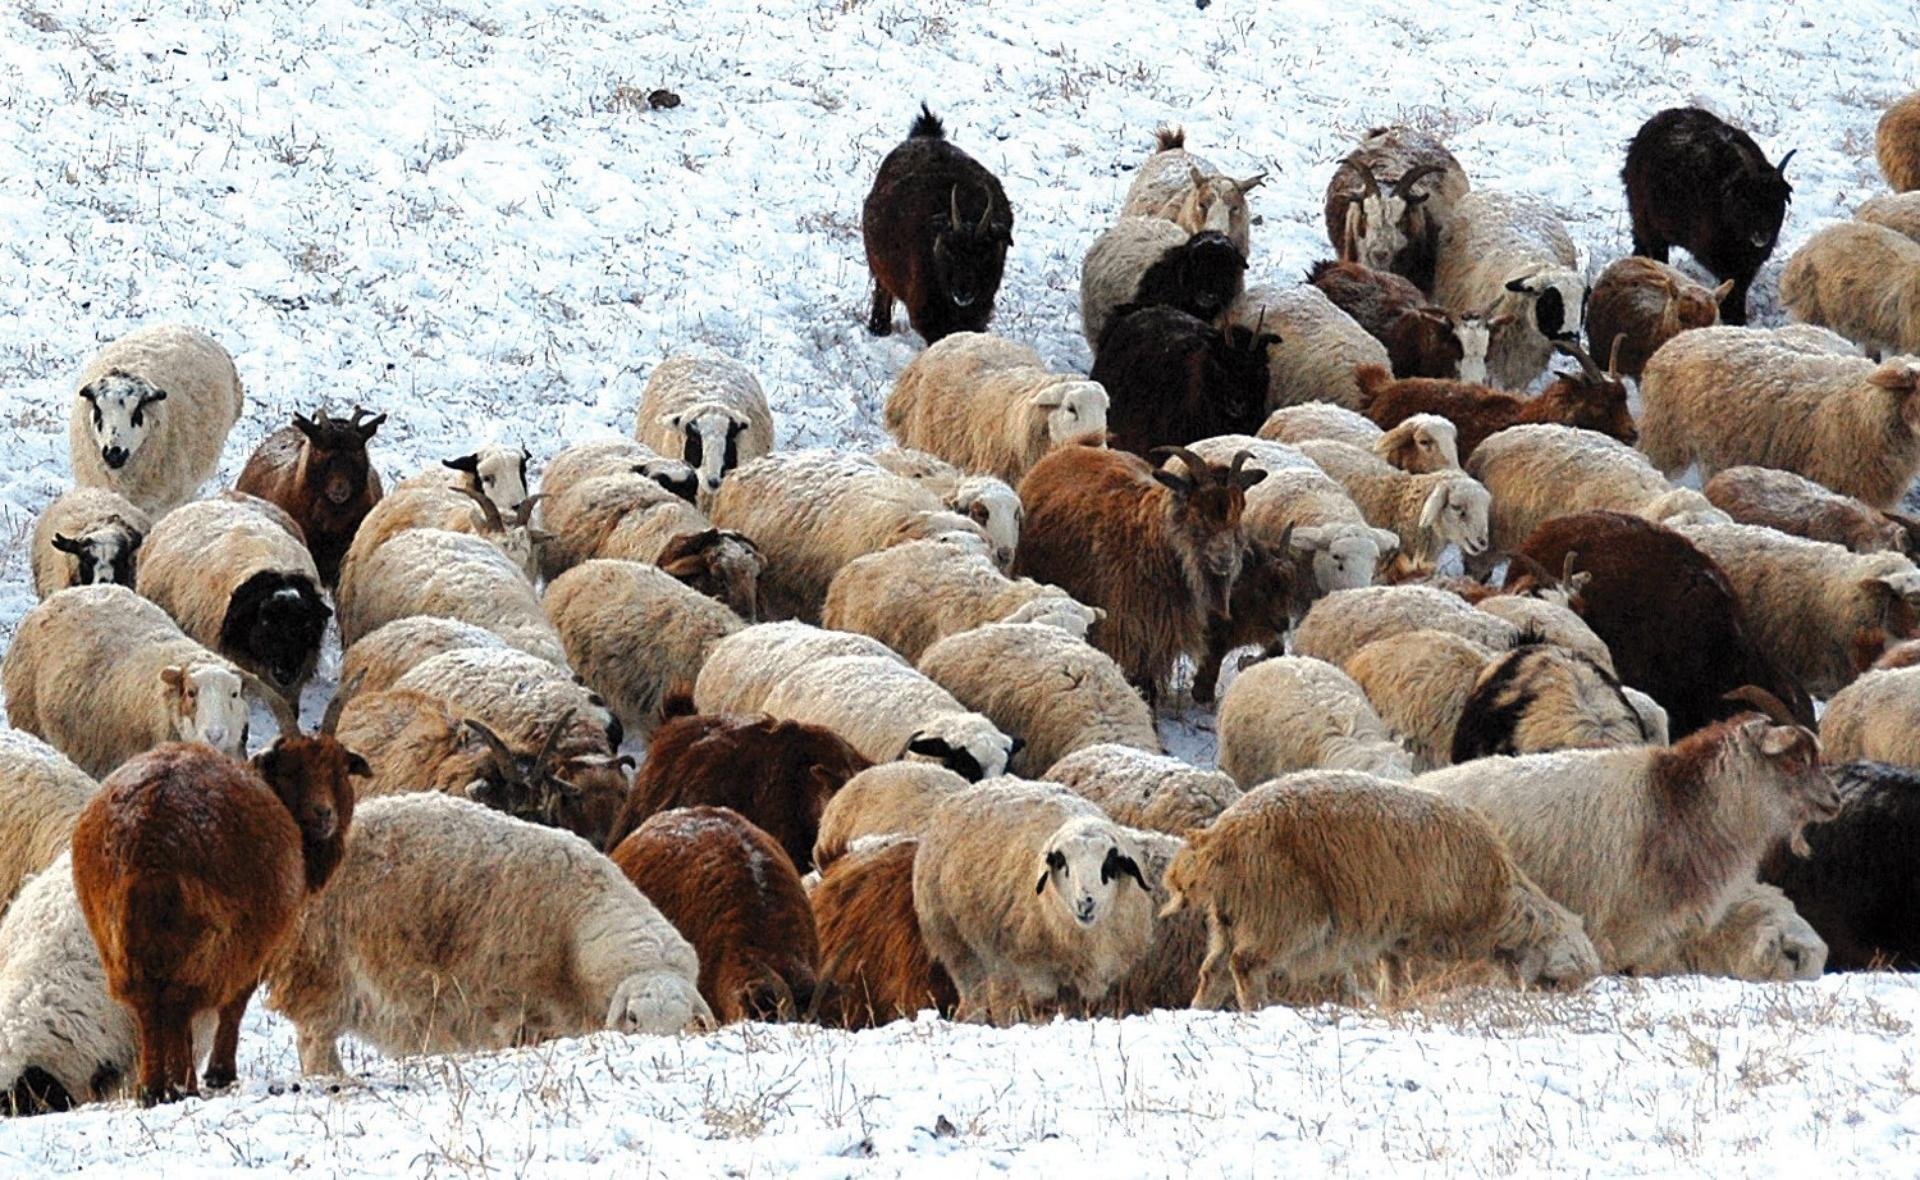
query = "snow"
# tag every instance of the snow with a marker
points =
(467, 215)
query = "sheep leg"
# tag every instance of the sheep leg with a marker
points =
(222, 1069)
(1211, 993)
(156, 1083)
(880, 322)
(319, 1053)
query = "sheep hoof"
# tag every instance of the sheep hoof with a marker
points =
(219, 1077)
(157, 1096)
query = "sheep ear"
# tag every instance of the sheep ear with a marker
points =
(1722, 291)
(1435, 505)
(467, 463)
(1387, 540)
(1056, 860)
(1776, 740)
(1099, 613)
(1195, 177)
(1519, 286)
(357, 765)
(66, 544)
(1120, 864)
(90, 394)
(174, 677)
(1051, 396)
(929, 747)
(1310, 539)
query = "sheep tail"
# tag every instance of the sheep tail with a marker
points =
(927, 126)
(1167, 139)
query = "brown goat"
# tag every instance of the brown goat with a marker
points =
(1590, 399)
(878, 968)
(191, 868)
(1644, 304)
(734, 894)
(1158, 550)
(1423, 339)
(778, 774)
(317, 470)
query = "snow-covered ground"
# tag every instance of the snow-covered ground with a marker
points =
(468, 215)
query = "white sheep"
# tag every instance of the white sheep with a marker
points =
(41, 794)
(87, 537)
(1344, 622)
(387, 653)
(1181, 187)
(744, 667)
(581, 520)
(458, 510)
(988, 405)
(1293, 713)
(1540, 472)
(988, 501)
(1145, 790)
(708, 411)
(1761, 937)
(497, 472)
(1012, 947)
(1874, 719)
(887, 711)
(450, 927)
(617, 456)
(1502, 254)
(453, 575)
(1327, 537)
(1320, 345)
(150, 415)
(893, 799)
(1421, 443)
(1860, 279)
(1427, 512)
(1419, 682)
(520, 696)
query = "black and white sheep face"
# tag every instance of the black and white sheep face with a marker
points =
(208, 706)
(675, 475)
(1076, 410)
(658, 1004)
(1456, 514)
(1559, 302)
(1087, 871)
(712, 441)
(498, 474)
(103, 558)
(123, 410)
(965, 743)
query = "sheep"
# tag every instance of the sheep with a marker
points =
(317, 471)
(889, 711)
(1010, 946)
(1761, 937)
(1667, 836)
(581, 520)
(1149, 262)
(40, 794)
(1539, 698)
(1419, 682)
(732, 892)
(452, 928)
(1171, 378)
(617, 456)
(1422, 339)
(87, 537)
(1538, 472)
(1294, 713)
(1508, 255)
(457, 510)
(780, 775)
(1304, 516)
(1899, 212)
(1697, 182)
(192, 869)
(986, 500)
(1398, 230)
(889, 799)
(1055, 691)
(389, 652)
(236, 575)
(878, 968)
(1812, 338)
(1166, 976)
(1592, 399)
(1420, 444)
(988, 405)
(101, 674)
(811, 512)
(452, 575)
(1427, 512)
(1317, 345)
(1312, 876)
(496, 472)
(1857, 889)
(708, 411)
(1875, 719)
(925, 244)
(1157, 550)
(514, 692)
(1536, 616)
(1822, 612)
(1179, 186)
(744, 667)
(1145, 790)
(150, 414)
(1345, 621)
(1863, 281)
(1643, 304)
(911, 596)
(1795, 504)
(634, 634)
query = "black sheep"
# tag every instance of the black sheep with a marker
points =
(275, 620)
(1200, 276)
(1696, 182)
(1172, 378)
(1858, 889)
(937, 226)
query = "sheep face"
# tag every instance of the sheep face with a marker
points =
(1557, 301)
(968, 256)
(498, 474)
(1795, 789)
(1343, 557)
(1421, 445)
(1217, 203)
(103, 557)
(1544, 942)
(996, 509)
(1456, 514)
(335, 463)
(710, 440)
(658, 1004)
(719, 563)
(1087, 868)
(122, 414)
(965, 743)
(275, 621)
(206, 706)
(1059, 612)
(1781, 947)
(1900, 377)
(1075, 410)
(674, 475)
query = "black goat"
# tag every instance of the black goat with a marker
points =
(1859, 890)
(1172, 378)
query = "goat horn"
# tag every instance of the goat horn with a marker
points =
(542, 763)
(488, 508)
(1566, 567)
(524, 513)
(1526, 562)
(953, 207)
(1781, 167)
(1762, 702)
(986, 214)
(1572, 348)
(1613, 356)
(1370, 185)
(1197, 468)
(1412, 177)
(285, 715)
(502, 756)
(1239, 460)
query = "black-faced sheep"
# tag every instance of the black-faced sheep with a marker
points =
(87, 537)
(497, 472)
(150, 414)
(1508, 255)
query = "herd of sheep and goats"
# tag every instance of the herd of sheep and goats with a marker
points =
(898, 708)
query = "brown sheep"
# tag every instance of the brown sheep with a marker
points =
(1795, 504)
(878, 968)
(1590, 399)
(731, 892)
(1644, 304)
(1897, 142)
(317, 470)
(192, 868)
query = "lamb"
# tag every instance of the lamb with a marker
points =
(1419, 682)
(452, 575)
(1507, 255)
(1011, 946)
(811, 512)
(1857, 889)
(744, 667)
(1668, 836)
(988, 405)
(1312, 876)
(1896, 142)
(635, 635)
(926, 246)
(1427, 512)
(390, 652)
(889, 711)
(1398, 230)
(192, 870)
(1697, 182)
(878, 968)
(910, 596)
(708, 411)
(1860, 279)
(1761, 937)
(890, 799)
(1294, 713)
(1539, 698)
(1056, 692)
(452, 928)
(1592, 399)
(1422, 339)
(457, 510)
(101, 674)
(1643, 304)
(317, 471)
(732, 892)
(87, 537)
(499, 473)
(1179, 186)
(1157, 550)
(41, 793)
(151, 413)
(1875, 719)
(1171, 378)
(779, 775)
(1317, 348)
(1150, 262)
(1795, 504)
(1419, 444)
(985, 500)
(1144, 790)
(1825, 614)
(235, 573)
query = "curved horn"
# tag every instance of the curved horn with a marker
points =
(1613, 356)
(1239, 460)
(1572, 348)
(524, 513)
(502, 756)
(1566, 567)
(541, 765)
(1781, 167)
(986, 214)
(285, 715)
(1412, 177)
(953, 208)
(1762, 702)
(1370, 185)
(1197, 468)
(488, 508)
(1526, 562)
